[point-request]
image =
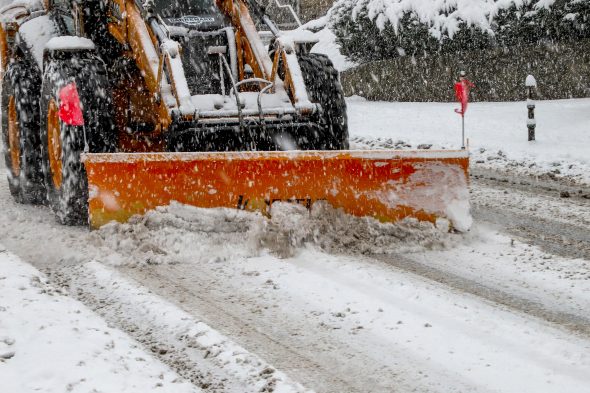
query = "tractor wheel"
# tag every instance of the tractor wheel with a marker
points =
(323, 87)
(20, 133)
(76, 118)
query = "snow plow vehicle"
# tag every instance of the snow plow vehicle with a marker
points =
(111, 108)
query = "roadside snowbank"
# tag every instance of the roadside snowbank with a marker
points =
(52, 343)
(497, 133)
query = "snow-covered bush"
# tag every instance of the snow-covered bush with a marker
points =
(369, 30)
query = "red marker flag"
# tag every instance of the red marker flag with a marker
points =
(462, 93)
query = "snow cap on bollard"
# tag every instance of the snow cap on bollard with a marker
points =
(530, 81)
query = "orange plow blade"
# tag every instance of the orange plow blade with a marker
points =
(383, 184)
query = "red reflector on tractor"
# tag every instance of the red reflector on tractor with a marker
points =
(70, 111)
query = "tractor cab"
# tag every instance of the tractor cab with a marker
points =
(199, 26)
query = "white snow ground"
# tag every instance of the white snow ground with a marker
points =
(52, 343)
(497, 133)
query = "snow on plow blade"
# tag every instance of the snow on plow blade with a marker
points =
(384, 184)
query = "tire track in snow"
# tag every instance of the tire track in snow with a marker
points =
(532, 210)
(301, 361)
(193, 349)
(554, 237)
(572, 322)
(244, 298)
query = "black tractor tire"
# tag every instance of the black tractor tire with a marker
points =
(64, 172)
(324, 88)
(22, 148)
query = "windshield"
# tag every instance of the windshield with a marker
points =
(178, 8)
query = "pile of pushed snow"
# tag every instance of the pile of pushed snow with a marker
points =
(180, 234)
(187, 234)
(293, 226)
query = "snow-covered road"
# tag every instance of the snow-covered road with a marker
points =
(358, 307)
(333, 321)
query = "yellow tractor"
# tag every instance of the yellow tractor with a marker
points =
(114, 107)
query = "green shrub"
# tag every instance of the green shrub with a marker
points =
(370, 30)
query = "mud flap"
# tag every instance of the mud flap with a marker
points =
(384, 184)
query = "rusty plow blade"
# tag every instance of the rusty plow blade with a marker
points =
(384, 184)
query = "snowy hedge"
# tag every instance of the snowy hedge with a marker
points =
(369, 30)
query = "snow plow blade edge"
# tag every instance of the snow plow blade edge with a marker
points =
(383, 184)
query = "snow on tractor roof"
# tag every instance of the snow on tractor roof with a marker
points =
(38, 32)
(69, 43)
(16, 11)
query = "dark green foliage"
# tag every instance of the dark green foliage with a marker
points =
(562, 71)
(362, 41)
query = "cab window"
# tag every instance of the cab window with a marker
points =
(62, 10)
(177, 8)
